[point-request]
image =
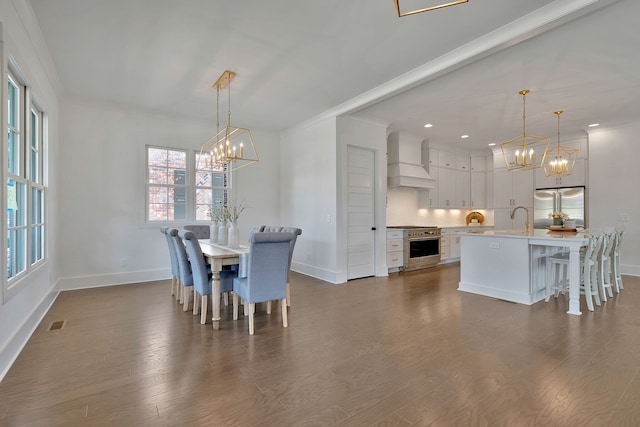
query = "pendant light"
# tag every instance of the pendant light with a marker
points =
(526, 151)
(231, 148)
(560, 160)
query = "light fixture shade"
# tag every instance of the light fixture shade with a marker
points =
(560, 160)
(232, 146)
(423, 5)
(526, 151)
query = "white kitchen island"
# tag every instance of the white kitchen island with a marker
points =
(510, 264)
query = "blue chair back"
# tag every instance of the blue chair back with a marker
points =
(175, 267)
(267, 268)
(199, 272)
(200, 230)
(186, 277)
(296, 232)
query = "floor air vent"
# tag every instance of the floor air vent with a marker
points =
(56, 325)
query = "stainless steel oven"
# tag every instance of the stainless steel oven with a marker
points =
(421, 247)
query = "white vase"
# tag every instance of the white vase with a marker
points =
(213, 232)
(223, 233)
(234, 236)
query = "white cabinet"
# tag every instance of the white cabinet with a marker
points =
(444, 246)
(428, 199)
(395, 250)
(463, 162)
(463, 190)
(446, 188)
(478, 190)
(512, 188)
(478, 163)
(577, 177)
(490, 189)
(446, 159)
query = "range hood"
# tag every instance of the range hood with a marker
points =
(404, 163)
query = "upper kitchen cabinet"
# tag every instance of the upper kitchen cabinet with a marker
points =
(512, 188)
(478, 181)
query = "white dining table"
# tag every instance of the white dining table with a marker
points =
(219, 256)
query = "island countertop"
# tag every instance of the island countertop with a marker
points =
(511, 264)
(533, 233)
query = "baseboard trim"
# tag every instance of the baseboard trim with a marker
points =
(98, 281)
(11, 351)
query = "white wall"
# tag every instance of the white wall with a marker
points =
(308, 184)
(614, 187)
(21, 313)
(103, 202)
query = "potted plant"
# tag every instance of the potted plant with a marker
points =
(558, 218)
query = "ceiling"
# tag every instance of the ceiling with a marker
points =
(296, 60)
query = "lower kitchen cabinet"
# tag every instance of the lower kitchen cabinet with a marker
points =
(395, 250)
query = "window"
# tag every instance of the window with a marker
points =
(211, 189)
(177, 190)
(25, 181)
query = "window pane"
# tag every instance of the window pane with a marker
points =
(157, 157)
(13, 153)
(35, 147)
(37, 246)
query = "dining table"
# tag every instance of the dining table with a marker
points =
(218, 256)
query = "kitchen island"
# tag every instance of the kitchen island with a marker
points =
(511, 264)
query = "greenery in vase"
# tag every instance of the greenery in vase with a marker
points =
(233, 212)
(217, 213)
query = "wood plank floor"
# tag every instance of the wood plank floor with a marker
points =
(399, 351)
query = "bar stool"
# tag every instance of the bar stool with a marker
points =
(558, 272)
(604, 263)
(617, 277)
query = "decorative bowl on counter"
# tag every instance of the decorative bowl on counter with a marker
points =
(475, 217)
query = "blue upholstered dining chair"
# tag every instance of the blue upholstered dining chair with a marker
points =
(201, 275)
(201, 231)
(267, 269)
(175, 268)
(296, 232)
(186, 277)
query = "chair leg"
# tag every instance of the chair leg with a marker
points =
(252, 307)
(196, 303)
(235, 306)
(268, 307)
(186, 296)
(174, 284)
(225, 295)
(246, 307)
(180, 292)
(285, 320)
(288, 294)
(203, 311)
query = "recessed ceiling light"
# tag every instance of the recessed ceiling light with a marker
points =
(428, 125)
(592, 125)
(464, 136)
(492, 144)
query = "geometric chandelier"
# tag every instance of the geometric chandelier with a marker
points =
(231, 148)
(526, 151)
(427, 5)
(560, 160)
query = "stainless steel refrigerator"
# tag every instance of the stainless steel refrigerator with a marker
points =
(569, 200)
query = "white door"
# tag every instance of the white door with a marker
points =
(360, 217)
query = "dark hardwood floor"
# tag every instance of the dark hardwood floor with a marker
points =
(405, 350)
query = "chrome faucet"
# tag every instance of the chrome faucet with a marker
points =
(513, 213)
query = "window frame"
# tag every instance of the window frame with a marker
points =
(191, 187)
(30, 127)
